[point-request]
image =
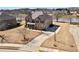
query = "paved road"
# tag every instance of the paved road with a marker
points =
(75, 32)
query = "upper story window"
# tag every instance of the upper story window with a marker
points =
(33, 21)
(37, 21)
(42, 21)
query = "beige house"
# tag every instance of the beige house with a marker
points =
(42, 21)
(7, 21)
(20, 18)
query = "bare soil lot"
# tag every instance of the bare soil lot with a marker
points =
(18, 35)
(64, 40)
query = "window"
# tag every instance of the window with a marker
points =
(33, 21)
(42, 21)
(37, 21)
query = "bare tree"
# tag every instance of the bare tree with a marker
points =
(24, 33)
(57, 15)
(55, 36)
(3, 38)
(70, 18)
(28, 18)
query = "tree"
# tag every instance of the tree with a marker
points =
(68, 12)
(57, 15)
(70, 19)
(3, 38)
(28, 18)
(54, 36)
(24, 33)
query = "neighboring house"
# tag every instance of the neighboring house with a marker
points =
(73, 12)
(20, 18)
(7, 21)
(63, 12)
(42, 21)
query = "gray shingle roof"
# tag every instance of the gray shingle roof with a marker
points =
(44, 17)
(36, 14)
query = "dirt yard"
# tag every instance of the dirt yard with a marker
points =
(18, 35)
(64, 40)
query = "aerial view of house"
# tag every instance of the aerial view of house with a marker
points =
(39, 20)
(40, 30)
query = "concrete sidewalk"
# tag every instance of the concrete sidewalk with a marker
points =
(35, 43)
(31, 46)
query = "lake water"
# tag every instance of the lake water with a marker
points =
(73, 20)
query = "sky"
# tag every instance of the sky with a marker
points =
(10, 8)
(15, 4)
